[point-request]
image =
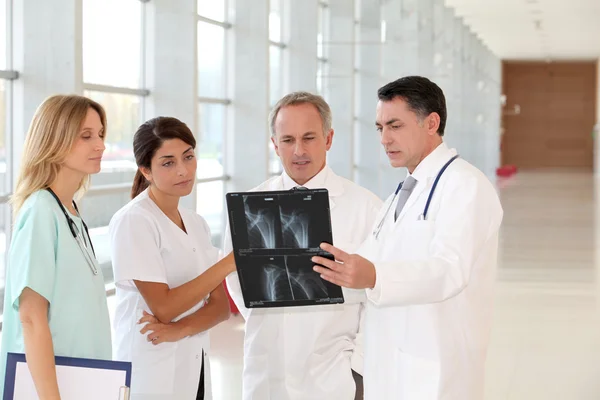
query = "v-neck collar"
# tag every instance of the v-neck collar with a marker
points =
(185, 232)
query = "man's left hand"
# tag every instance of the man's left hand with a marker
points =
(349, 270)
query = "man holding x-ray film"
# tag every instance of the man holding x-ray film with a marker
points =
(428, 266)
(308, 352)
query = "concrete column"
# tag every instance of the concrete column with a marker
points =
(393, 66)
(48, 56)
(460, 135)
(171, 63)
(302, 45)
(443, 60)
(248, 133)
(426, 37)
(340, 84)
(369, 53)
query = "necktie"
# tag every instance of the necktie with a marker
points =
(407, 188)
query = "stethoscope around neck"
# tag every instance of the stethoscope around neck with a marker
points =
(77, 235)
(423, 216)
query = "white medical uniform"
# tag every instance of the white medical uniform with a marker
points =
(147, 246)
(428, 317)
(308, 353)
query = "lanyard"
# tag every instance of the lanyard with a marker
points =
(423, 216)
(79, 238)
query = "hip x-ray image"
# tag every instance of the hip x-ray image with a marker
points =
(281, 279)
(268, 279)
(292, 222)
(306, 284)
(262, 222)
(274, 236)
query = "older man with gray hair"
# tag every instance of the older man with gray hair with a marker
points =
(310, 352)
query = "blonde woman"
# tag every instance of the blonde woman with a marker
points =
(55, 301)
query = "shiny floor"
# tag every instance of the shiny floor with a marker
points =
(546, 334)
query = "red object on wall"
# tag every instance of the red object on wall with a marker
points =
(506, 170)
(232, 305)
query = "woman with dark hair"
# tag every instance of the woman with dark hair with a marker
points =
(168, 282)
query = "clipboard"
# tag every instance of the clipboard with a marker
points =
(78, 378)
(274, 235)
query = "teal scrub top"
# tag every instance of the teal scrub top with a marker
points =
(45, 257)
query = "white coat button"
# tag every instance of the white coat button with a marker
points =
(197, 356)
(194, 249)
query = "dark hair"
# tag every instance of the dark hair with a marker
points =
(149, 138)
(422, 96)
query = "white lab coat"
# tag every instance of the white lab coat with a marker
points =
(428, 317)
(308, 353)
(147, 246)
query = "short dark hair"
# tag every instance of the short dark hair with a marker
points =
(150, 137)
(422, 96)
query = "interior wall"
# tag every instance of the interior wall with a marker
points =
(549, 115)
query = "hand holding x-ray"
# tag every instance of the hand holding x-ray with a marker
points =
(348, 270)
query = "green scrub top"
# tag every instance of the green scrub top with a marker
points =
(45, 257)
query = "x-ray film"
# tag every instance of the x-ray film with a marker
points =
(274, 236)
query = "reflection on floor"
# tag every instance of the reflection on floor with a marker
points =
(546, 336)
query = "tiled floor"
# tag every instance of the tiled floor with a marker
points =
(546, 335)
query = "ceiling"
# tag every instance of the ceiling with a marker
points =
(535, 29)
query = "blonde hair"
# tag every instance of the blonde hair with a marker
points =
(297, 98)
(53, 131)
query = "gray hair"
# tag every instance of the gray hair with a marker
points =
(296, 98)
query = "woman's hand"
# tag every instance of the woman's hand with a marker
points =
(159, 332)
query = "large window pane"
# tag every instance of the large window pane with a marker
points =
(3, 33)
(210, 140)
(322, 68)
(321, 18)
(4, 189)
(275, 74)
(4, 233)
(210, 205)
(275, 166)
(97, 210)
(123, 118)
(213, 9)
(275, 16)
(211, 60)
(112, 42)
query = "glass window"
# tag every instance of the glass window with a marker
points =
(112, 42)
(275, 17)
(123, 114)
(4, 233)
(4, 189)
(211, 60)
(98, 209)
(275, 167)
(320, 23)
(322, 71)
(323, 31)
(3, 33)
(209, 148)
(275, 74)
(210, 205)
(212, 9)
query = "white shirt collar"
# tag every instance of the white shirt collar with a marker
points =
(316, 182)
